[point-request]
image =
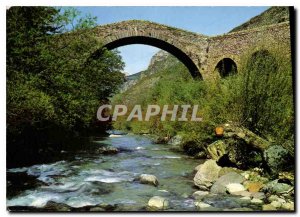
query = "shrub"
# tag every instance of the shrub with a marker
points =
(259, 97)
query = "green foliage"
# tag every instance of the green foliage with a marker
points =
(70, 19)
(259, 97)
(267, 92)
(55, 81)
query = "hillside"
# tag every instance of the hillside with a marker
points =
(271, 16)
(138, 86)
(161, 60)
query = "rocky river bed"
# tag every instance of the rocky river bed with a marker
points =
(131, 173)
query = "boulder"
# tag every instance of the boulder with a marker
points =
(219, 187)
(276, 204)
(198, 167)
(288, 206)
(225, 170)
(268, 207)
(276, 198)
(225, 201)
(245, 198)
(217, 149)
(148, 179)
(254, 186)
(247, 136)
(207, 174)
(158, 203)
(235, 187)
(176, 140)
(276, 158)
(107, 150)
(258, 195)
(202, 205)
(276, 187)
(256, 201)
(57, 207)
(273, 198)
(242, 193)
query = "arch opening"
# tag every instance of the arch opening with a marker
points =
(180, 55)
(226, 67)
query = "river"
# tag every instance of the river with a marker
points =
(84, 178)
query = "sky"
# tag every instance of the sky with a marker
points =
(204, 20)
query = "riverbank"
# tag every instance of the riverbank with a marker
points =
(249, 189)
(243, 166)
(110, 180)
(92, 178)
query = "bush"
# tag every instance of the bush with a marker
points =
(267, 93)
(259, 97)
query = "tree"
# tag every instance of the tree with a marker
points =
(70, 19)
(55, 80)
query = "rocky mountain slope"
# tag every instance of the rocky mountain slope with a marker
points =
(271, 16)
(160, 60)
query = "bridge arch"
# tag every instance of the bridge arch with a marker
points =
(179, 54)
(190, 48)
(226, 67)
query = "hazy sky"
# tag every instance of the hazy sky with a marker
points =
(205, 20)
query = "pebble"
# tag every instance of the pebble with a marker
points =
(235, 187)
(202, 205)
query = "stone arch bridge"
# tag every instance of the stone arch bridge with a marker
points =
(201, 54)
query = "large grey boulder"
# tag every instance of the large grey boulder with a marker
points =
(219, 187)
(148, 179)
(207, 174)
(158, 203)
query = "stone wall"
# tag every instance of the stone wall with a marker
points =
(235, 45)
